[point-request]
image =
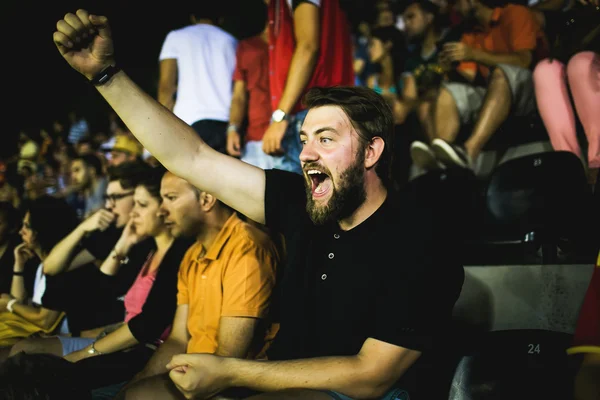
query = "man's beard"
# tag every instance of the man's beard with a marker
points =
(345, 199)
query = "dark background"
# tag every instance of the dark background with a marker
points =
(39, 86)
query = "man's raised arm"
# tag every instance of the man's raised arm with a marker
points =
(85, 41)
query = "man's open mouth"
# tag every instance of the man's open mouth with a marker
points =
(321, 182)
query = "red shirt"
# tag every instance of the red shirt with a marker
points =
(334, 63)
(252, 67)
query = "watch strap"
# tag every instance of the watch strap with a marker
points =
(104, 76)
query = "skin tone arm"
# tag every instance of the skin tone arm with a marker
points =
(120, 339)
(61, 258)
(167, 83)
(307, 34)
(174, 143)
(369, 374)
(176, 343)
(17, 288)
(237, 113)
(128, 239)
(457, 51)
(39, 316)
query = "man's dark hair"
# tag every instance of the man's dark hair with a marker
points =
(152, 179)
(426, 5)
(369, 114)
(212, 10)
(91, 161)
(129, 173)
(39, 377)
(52, 219)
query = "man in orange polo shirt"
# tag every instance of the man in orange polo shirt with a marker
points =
(224, 286)
(495, 56)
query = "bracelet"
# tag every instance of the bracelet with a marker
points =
(120, 259)
(232, 127)
(18, 273)
(104, 76)
(10, 304)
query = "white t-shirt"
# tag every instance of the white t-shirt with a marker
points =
(39, 286)
(205, 57)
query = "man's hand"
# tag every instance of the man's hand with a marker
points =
(198, 376)
(100, 221)
(457, 51)
(22, 254)
(273, 138)
(234, 146)
(85, 41)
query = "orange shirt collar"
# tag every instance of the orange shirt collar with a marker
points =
(496, 14)
(222, 237)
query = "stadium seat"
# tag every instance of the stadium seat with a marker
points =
(514, 364)
(531, 205)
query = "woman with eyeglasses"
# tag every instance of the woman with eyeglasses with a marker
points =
(150, 302)
(47, 220)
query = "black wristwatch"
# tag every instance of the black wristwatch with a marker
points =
(104, 76)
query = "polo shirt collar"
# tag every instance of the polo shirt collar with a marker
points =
(223, 237)
(496, 14)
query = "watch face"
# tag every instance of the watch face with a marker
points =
(278, 115)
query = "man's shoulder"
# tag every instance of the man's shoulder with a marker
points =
(248, 235)
(510, 12)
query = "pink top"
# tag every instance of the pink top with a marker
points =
(138, 293)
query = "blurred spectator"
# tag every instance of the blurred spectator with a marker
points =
(251, 102)
(28, 151)
(495, 57)
(572, 76)
(87, 185)
(9, 226)
(8, 193)
(363, 67)
(196, 65)
(47, 220)
(310, 45)
(387, 49)
(85, 145)
(78, 127)
(124, 148)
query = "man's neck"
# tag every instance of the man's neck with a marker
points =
(212, 226)
(163, 241)
(376, 195)
(483, 15)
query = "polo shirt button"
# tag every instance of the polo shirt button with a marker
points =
(323, 277)
(331, 255)
(335, 235)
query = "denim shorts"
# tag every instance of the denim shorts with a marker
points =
(71, 344)
(394, 394)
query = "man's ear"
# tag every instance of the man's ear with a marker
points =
(373, 151)
(207, 201)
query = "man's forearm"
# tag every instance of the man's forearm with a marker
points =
(162, 356)
(168, 138)
(346, 375)
(59, 258)
(237, 110)
(301, 70)
(493, 59)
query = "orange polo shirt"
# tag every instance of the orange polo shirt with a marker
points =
(512, 28)
(233, 278)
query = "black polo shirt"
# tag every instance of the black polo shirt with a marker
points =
(393, 278)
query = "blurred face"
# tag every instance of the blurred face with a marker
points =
(81, 175)
(118, 157)
(145, 218)
(416, 21)
(180, 206)
(464, 8)
(377, 50)
(333, 163)
(26, 232)
(119, 201)
(386, 18)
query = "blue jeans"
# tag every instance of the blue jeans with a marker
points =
(290, 161)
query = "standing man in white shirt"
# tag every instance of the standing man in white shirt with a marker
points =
(196, 65)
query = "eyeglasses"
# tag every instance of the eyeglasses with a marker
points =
(117, 196)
